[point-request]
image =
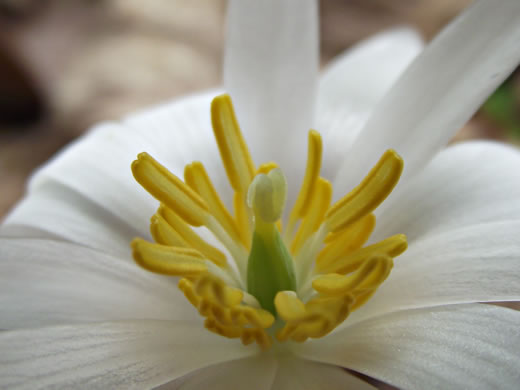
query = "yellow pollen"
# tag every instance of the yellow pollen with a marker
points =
(328, 267)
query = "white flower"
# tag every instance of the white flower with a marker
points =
(81, 314)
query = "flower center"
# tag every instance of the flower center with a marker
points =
(310, 275)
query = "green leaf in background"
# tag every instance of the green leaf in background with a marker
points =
(503, 107)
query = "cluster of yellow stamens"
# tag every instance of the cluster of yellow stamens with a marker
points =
(264, 281)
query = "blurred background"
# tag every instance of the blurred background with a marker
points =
(67, 64)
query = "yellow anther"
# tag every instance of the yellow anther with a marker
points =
(164, 234)
(170, 190)
(347, 240)
(392, 247)
(218, 292)
(197, 178)
(259, 335)
(190, 237)
(233, 149)
(214, 326)
(369, 276)
(363, 199)
(315, 319)
(168, 260)
(288, 306)
(312, 172)
(224, 312)
(254, 316)
(265, 168)
(319, 205)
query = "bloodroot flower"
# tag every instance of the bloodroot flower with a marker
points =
(280, 256)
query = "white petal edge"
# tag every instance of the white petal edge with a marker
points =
(440, 90)
(46, 282)
(466, 184)
(97, 166)
(352, 84)
(126, 354)
(255, 373)
(478, 263)
(461, 346)
(269, 372)
(296, 374)
(271, 72)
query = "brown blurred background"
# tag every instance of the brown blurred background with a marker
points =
(66, 64)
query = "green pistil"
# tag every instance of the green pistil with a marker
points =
(270, 266)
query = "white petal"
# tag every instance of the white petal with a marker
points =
(296, 374)
(439, 92)
(113, 355)
(98, 165)
(67, 215)
(45, 282)
(255, 373)
(266, 371)
(473, 264)
(270, 71)
(353, 83)
(454, 347)
(465, 184)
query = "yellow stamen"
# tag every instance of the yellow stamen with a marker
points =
(233, 149)
(312, 173)
(315, 319)
(164, 234)
(168, 260)
(224, 312)
(319, 205)
(197, 178)
(363, 199)
(347, 240)
(369, 276)
(392, 247)
(190, 237)
(170, 190)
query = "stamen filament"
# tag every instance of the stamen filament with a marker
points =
(192, 239)
(238, 252)
(197, 178)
